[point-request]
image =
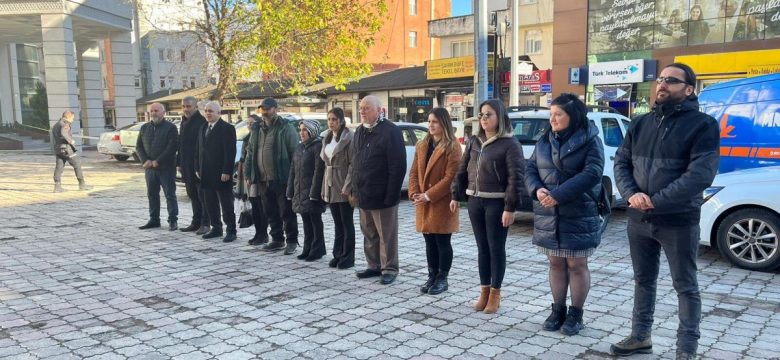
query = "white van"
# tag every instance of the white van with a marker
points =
(530, 125)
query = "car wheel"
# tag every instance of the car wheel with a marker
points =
(121, 157)
(749, 238)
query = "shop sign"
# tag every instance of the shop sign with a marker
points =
(423, 102)
(758, 70)
(252, 104)
(536, 77)
(546, 88)
(231, 104)
(536, 88)
(524, 89)
(450, 68)
(612, 92)
(453, 99)
(616, 72)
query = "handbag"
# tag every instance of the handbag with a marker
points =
(245, 218)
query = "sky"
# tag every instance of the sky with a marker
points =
(461, 7)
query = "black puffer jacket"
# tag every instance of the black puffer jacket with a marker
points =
(491, 168)
(158, 142)
(574, 223)
(378, 165)
(672, 155)
(305, 182)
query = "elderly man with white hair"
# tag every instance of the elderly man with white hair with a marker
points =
(156, 148)
(214, 166)
(377, 169)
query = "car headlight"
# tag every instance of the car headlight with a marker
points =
(711, 191)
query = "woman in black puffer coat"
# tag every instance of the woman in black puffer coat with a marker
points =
(563, 177)
(303, 189)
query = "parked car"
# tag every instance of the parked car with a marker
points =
(749, 114)
(109, 144)
(128, 137)
(530, 125)
(741, 217)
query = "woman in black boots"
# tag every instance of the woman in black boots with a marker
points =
(303, 189)
(564, 178)
(335, 154)
(433, 168)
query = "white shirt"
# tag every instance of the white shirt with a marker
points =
(330, 147)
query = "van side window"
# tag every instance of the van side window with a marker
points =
(626, 124)
(611, 131)
(408, 138)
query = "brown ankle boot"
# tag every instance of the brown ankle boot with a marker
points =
(484, 292)
(494, 301)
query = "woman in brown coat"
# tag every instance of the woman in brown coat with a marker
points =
(433, 169)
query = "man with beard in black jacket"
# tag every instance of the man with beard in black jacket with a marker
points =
(156, 147)
(669, 156)
(192, 123)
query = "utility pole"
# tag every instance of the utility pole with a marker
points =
(514, 79)
(480, 52)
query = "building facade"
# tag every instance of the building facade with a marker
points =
(55, 45)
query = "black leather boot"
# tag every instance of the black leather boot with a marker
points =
(573, 323)
(556, 318)
(440, 284)
(429, 282)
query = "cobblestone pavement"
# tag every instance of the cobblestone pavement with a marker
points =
(78, 280)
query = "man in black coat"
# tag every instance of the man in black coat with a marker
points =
(192, 123)
(375, 178)
(668, 158)
(214, 167)
(156, 148)
(65, 151)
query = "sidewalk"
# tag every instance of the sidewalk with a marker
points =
(79, 280)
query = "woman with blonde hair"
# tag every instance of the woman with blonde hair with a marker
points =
(433, 169)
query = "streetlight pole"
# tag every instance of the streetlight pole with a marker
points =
(514, 79)
(480, 52)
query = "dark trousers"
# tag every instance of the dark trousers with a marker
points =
(313, 234)
(59, 167)
(680, 244)
(200, 216)
(438, 252)
(281, 218)
(344, 242)
(221, 197)
(164, 178)
(259, 219)
(485, 215)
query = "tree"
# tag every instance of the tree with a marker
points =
(39, 105)
(300, 42)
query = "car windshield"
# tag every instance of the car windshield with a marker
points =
(136, 126)
(528, 131)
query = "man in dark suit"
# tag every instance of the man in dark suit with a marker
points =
(214, 168)
(192, 123)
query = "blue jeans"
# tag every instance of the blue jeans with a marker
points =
(165, 178)
(681, 245)
(485, 215)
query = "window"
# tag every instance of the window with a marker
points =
(183, 54)
(408, 138)
(192, 82)
(613, 137)
(419, 135)
(170, 81)
(413, 39)
(169, 55)
(463, 48)
(533, 42)
(162, 82)
(184, 82)
(526, 2)
(137, 82)
(412, 7)
(161, 54)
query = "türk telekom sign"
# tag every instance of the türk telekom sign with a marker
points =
(616, 72)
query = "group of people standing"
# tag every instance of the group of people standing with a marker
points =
(661, 172)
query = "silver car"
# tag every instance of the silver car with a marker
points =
(109, 144)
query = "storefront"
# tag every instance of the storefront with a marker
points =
(535, 87)
(714, 68)
(623, 85)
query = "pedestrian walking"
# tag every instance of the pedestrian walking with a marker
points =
(490, 175)
(304, 188)
(156, 147)
(192, 122)
(65, 152)
(267, 168)
(376, 174)
(215, 166)
(435, 162)
(668, 157)
(336, 158)
(562, 176)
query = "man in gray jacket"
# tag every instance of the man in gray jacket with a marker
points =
(65, 151)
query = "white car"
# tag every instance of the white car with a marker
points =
(530, 125)
(741, 217)
(109, 144)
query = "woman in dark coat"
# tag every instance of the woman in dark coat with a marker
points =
(335, 155)
(303, 189)
(563, 178)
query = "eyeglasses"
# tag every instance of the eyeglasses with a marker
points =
(670, 80)
(484, 115)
